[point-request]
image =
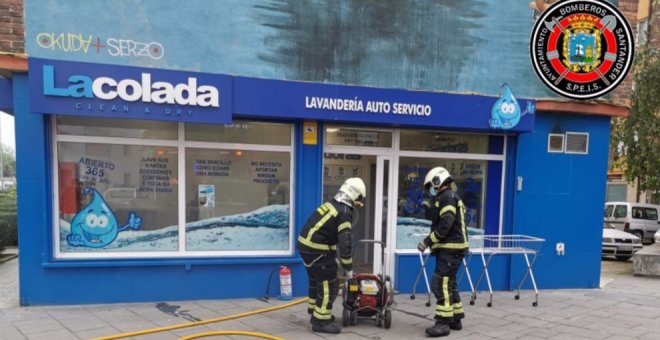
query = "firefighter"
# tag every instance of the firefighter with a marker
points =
(328, 231)
(449, 243)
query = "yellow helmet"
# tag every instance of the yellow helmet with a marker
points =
(355, 189)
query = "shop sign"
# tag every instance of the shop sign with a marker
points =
(356, 104)
(97, 90)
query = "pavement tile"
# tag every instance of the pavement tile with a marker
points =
(28, 327)
(133, 326)
(61, 334)
(24, 314)
(97, 332)
(626, 308)
(11, 333)
(304, 334)
(616, 329)
(266, 324)
(157, 336)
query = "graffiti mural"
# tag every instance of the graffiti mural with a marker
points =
(442, 45)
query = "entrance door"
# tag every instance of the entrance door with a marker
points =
(373, 218)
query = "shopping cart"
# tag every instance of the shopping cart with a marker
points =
(487, 246)
(423, 260)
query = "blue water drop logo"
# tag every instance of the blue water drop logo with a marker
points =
(506, 113)
(95, 225)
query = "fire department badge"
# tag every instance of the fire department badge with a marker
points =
(582, 49)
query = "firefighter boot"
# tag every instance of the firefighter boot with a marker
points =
(312, 320)
(456, 325)
(331, 328)
(439, 329)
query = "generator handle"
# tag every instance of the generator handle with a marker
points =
(382, 250)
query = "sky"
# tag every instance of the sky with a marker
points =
(7, 130)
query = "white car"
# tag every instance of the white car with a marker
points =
(656, 237)
(620, 244)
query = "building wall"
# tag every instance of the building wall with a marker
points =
(11, 26)
(654, 25)
(431, 45)
(621, 95)
(562, 200)
(45, 282)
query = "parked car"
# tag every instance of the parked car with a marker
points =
(640, 219)
(620, 244)
(657, 236)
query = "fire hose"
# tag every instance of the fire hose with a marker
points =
(204, 322)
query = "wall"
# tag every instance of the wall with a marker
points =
(109, 281)
(623, 92)
(429, 45)
(562, 200)
(11, 26)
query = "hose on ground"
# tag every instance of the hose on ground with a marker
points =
(203, 322)
(252, 334)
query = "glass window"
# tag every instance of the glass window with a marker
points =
(651, 214)
(620, 211)
(357, 137)
(122, 196)
(237, 199)
(117, 198)
(638, 212)
(438, 141)
(577, 142)
(555, 142)
(616, 192)
(241, 132)
(608, 210)
(470, 177)
(108, 127)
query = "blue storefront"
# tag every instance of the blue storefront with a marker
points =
(145, 176)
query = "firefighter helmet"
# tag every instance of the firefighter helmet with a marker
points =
(436, 177)
(355, 189)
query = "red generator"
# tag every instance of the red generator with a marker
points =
(367, 295)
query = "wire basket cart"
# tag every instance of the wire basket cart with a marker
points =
(487, 246)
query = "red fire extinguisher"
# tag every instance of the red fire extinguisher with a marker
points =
(286, 290)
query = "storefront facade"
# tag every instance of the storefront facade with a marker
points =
(145, 184)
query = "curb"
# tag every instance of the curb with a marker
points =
(7, 257)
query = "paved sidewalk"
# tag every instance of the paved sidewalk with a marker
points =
(627, 307)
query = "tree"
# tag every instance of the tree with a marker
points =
(8, 161)
(636, 139)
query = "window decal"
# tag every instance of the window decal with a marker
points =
(95, 225)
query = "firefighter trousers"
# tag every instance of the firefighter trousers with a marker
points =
(323, 285)
(448, 306)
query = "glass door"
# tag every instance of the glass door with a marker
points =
(373, 218)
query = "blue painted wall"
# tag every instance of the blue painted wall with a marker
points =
(562, 201)
(408, 267)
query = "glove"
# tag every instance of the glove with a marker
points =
(349, 274)
(422, 246)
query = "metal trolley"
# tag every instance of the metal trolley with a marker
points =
(487, 246)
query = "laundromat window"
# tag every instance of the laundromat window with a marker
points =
(241, 132)
(438, 141)
(117, 198)
(108, 127)
(335, 135)
(237, 200)
(470, 177)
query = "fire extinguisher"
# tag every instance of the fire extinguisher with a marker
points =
(286, 290)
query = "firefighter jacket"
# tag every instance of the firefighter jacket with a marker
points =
(448, 229)
(329, 228)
